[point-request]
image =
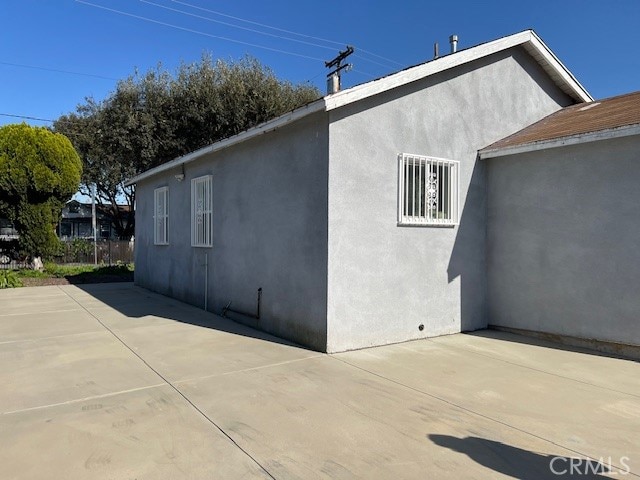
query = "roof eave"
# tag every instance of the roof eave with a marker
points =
(553, 66)
(281, 121)
(607, 134)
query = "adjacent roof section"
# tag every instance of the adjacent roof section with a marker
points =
(527, 39)
(608, 118)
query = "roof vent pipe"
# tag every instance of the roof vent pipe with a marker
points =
(453, 40)
(435, 51)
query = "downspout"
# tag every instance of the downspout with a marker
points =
(206, 280)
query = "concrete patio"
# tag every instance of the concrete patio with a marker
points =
(114, 382)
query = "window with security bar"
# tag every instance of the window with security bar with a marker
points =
(161, 216)
(202, 211)
(428, 190)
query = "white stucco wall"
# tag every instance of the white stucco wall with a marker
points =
(384, 280)
(269, 231)
(563, 239)
(309, 213)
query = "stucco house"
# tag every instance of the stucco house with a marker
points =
(367, 217)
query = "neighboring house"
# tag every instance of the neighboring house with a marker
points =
(7, 230)
(76, 221)
(362, 216)
(564, 223)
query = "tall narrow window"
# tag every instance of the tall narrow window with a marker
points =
(427, 190)
(161, 216)
(202, 211)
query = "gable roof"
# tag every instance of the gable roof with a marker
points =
(608, 118)
(528, 39)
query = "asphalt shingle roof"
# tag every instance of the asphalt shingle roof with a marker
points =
(577, 119)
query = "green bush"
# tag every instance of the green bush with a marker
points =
(39, 171)
(80, 248)
(9, 279)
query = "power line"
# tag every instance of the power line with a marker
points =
(314, 77)
(56, 70)
(380, 57)
(264, 25)
(264, 33)
(257, 23)
(363, 73)
(236, 26)
(37, 119)
(25, 117)
(146, 19)
(370, 61)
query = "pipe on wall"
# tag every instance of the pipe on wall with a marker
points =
(206, 280)
(239, 312)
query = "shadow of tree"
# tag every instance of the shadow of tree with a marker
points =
(519, 463)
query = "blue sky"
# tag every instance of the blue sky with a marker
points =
(597, 41)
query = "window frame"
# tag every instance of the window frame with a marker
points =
(452, 217)
(207, 213)
(164, 217)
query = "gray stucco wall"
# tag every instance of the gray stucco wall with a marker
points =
(384, 280)
(563, 238)
(269, 231)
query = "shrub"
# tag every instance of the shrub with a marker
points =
(39, 171)
(81, 248)
(9, 279)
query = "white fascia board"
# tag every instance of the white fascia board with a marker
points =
(559, 68)
(441, 64)
(317, 106)
(610, 133)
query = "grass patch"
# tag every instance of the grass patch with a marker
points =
(63, 271)
(28, 273)
(109, 270)
(78, 273)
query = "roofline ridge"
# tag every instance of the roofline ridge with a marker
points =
(394, 80)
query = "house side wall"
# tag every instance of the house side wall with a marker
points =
(386, 280)
(269, 232)
(563, 233)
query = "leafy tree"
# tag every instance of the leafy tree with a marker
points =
(39, 172)
(155, 117)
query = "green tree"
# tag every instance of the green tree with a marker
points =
(155, 117)
(39, 172)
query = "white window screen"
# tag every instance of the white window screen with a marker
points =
(201, 211)
(161, 216)
(428, 190)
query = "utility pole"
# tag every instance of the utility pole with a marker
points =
(94, 225)
(333, 77)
